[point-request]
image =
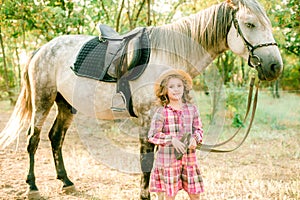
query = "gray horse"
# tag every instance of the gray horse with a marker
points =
(190, 44)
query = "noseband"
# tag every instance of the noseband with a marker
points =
(253, 60)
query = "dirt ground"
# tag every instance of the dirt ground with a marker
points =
(260, 169)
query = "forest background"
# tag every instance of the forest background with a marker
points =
(25, 25)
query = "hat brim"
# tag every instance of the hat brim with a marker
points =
(180, 72)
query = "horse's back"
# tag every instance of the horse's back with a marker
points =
(49, 68)
(66, 44)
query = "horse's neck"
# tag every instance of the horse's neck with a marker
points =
(193, 41)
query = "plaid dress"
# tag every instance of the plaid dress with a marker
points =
(169, 174)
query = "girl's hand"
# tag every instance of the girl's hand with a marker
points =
(193, 143)
(178, 145)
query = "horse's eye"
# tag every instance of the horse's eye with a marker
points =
(250, 25)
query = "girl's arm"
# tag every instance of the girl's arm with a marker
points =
(155, 134)
(197, 133)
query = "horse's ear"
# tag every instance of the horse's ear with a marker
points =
(232, 3)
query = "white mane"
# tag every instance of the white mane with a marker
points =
(195, 41)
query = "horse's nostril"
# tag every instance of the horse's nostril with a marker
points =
(275, 68)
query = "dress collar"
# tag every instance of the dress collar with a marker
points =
(175, 110)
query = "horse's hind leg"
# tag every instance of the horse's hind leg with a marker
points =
(42, 108)
(57, 133)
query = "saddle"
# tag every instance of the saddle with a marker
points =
(112, 57)
(123, 51)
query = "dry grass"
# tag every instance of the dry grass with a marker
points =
(265, 167)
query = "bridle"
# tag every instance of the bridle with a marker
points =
(253, 60)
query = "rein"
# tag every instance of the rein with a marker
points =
(211, 148)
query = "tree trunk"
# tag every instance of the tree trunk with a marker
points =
(148, 12)
(119, 16)
(18, 76)
(105, 11)
(138, 13)
(4, 62)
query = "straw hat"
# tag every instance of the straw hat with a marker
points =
(180, 72)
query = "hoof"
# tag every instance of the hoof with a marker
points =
(68, 189)
(33, 195)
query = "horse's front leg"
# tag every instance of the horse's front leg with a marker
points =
(146, 159)
(57, 133)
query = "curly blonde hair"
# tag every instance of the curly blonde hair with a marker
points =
(162, 91)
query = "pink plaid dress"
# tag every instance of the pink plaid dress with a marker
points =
(169, 174)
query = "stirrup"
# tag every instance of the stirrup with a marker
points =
(118, 103)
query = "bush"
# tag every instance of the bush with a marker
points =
(236, 101)
(291, 78)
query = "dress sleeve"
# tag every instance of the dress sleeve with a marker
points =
(197, 127)
(156, 134)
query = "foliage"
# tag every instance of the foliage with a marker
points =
(285, 17)
(291, 77)
(25, 25)
(237, 121)
(232, 68)
(236, 104)
(287, 20)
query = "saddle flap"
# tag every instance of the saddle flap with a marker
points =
(113, 56)
(133, 52)
(124, 54)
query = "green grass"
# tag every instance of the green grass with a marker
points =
(271, 114)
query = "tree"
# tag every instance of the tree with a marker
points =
(285, 16)
(36, 22)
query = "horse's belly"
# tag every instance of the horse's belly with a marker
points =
(99, 111)
(89, 97)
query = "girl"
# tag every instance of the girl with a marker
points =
(175, 119)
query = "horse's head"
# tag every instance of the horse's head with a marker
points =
(250, 36)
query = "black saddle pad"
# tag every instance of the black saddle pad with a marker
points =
(90, 60)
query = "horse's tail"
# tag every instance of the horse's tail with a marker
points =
(21, 115)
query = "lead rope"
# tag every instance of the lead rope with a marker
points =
(249, 101)
(211, 148)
